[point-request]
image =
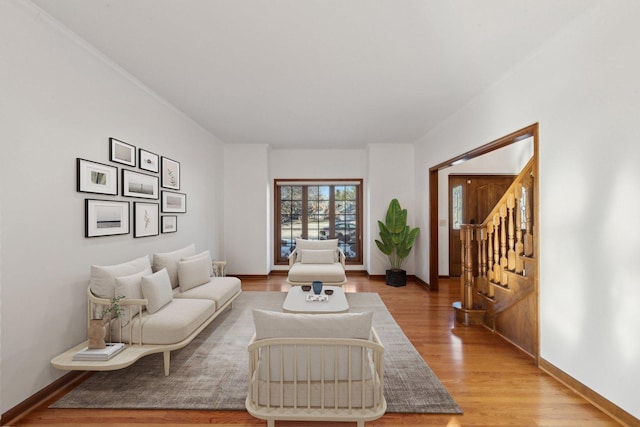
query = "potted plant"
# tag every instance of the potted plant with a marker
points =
(396, 242)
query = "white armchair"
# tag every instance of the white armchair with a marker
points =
(317, 260)
(315, 367)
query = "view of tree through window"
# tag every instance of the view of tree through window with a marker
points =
(326, 210)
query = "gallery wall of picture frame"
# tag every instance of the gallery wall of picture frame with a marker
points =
(104, 217)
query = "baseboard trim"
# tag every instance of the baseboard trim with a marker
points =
(253, 276)
(605, 405)
(66, 381)
(422, 283)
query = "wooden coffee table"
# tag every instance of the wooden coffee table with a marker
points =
(296, 301)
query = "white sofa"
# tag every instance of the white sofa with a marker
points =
(166, 304)
(315, 367)
(319, 260)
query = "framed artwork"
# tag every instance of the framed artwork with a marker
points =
(170, 173)
(136, 184)
(145, 219)
(174, 202)
(169, 223)
(106, 218)
(97, 178)
(148, 161)
(121, 152)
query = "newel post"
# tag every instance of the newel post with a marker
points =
(466, 235)
(464, 309)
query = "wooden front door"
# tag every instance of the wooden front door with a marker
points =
(471, 198)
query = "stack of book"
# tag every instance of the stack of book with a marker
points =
(322, 298)
(99, 354)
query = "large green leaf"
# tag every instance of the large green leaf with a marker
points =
(386, 243)
(396, 217)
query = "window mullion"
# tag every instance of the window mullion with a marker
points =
(305, 212)
(332, 212)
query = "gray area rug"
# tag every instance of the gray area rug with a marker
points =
(211, 372)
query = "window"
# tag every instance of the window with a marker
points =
(318, 210)
(457, 210)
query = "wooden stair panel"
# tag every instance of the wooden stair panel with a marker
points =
(517, 324)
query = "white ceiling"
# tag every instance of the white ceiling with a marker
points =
(316, 73)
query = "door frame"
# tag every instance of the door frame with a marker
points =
(468, 178)
(512, 138)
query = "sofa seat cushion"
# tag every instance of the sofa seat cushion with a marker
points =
(218, 289)
(327, 273)
(172, 323)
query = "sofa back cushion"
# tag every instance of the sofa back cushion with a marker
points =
(169, 260)
(102, 279)
(331, 244)
(270, 324)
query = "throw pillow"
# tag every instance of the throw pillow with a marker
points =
(156, 289)
(129, 287)
(204, 254)
(194, 272)
(102, 279)
(321, 256)
(169, 260)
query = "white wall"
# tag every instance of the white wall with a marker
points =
(60, 101)
(316, 164)
(508, 160)
(582, 87)
(390, 175)
(246, 208)
(387, 172)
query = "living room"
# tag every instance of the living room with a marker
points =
(63, 99)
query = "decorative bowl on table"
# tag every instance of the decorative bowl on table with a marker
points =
(328, 291)
(306, 288)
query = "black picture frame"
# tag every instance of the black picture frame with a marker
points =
(148, 161)
(169, 224)
(106, 218)
(146, 219)
(170, 173)
(121, 152)
(173, 202)
(139, 185)
(96, 178)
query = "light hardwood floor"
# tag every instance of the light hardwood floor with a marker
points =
(492, 381)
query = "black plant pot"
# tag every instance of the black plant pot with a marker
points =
(396, 277)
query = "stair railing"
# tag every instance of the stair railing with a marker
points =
(501, 240)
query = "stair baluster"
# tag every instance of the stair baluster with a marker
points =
(503, 246)
(519, 245)
(511, 252)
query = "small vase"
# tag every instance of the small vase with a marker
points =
(96, 333)
(317, 287)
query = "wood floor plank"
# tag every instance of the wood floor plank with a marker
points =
(493, 382)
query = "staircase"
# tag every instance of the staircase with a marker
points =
(499, 278)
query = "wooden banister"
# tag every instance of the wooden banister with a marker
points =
(503, 239)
